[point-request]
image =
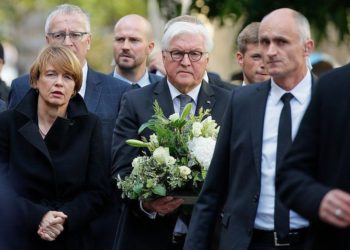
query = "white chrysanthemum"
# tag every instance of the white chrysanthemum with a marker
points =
(184, 171)
(202, 149)
(174, 117)
(162, 156)
(197, 129)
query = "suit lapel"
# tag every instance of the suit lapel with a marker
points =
(162, 95)
(313, 83)
(30, 132)
(206, 97)
(93, 90)
(257, 114)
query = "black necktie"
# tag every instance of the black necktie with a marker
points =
(184, 99)
(134, 85)
(284, 140)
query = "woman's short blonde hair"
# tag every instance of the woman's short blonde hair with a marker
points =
(61, 59)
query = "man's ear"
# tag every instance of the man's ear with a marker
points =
(239, 58)
(308, 47)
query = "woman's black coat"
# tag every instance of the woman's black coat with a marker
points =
(66, 171)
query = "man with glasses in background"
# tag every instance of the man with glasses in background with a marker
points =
(69, 25)
(185, 49)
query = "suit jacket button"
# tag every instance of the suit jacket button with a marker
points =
(256, 198)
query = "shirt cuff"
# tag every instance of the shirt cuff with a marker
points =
(151, 215)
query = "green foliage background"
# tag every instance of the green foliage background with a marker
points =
(103, 16)
(319, 13)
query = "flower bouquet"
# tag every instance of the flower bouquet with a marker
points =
(181, 148)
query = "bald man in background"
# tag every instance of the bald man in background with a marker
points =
(133, 43)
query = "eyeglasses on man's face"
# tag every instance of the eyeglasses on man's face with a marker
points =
(61, 36)
(178, 55)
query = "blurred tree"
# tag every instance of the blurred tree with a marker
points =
(319, 14)
(104, 14)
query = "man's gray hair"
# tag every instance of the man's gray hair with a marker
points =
(67, 9)
(186, 25)
(303, 24)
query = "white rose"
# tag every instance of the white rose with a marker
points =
(174, 117)
(161, 155)
(197, 129)
(184, 171)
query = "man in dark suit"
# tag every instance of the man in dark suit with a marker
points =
(152, 224)
(240, 181)
(133, 43)
(70, 25)
(314, 178)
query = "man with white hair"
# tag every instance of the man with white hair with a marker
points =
(185, 50)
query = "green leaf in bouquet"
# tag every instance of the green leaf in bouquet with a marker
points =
(150, 183)
(137, 189)
(144, 126)
(157, 109)
(136, 143)
(159, 190)
(186, 111)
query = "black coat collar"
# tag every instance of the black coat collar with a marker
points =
(29, 103)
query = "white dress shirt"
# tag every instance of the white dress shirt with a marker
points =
(174, 92)
(302, 95)
(83, 84)
(144, 81)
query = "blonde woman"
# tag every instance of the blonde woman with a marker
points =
(51, 154)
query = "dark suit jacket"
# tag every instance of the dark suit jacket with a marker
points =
(136, 230)
(2, 106)
(233, 180)
(102, 97)
(67, 171)
(215, 79)
(4, 91)
(319, 158)
(153, 78)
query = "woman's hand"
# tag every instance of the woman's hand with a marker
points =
(51, 225)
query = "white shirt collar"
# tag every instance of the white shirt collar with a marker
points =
(174, 92)
(206, 77)
(301, 91)
(83, 85)
(144, 81)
